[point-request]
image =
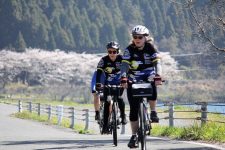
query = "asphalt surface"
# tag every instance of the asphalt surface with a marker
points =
(19, 134)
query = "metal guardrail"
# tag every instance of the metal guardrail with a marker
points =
(86, 116)
(59, 111)
(203, 112)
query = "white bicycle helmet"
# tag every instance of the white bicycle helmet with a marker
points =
(139, 29)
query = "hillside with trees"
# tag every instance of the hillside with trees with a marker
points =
(191, 31)
(88, 24)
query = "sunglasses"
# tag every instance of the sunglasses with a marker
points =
(138, 37)
(112, 52)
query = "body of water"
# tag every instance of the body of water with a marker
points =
(215, 107)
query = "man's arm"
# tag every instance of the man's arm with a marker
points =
(125, 65)
(124, 68)
(156, 60)
(158, 68)
(99, 71)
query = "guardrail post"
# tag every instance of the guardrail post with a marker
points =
(20, 107)
(39, 109)
(30, 107)
(60, 113)
(203, 113)
(72, 117)
(86, 119)
(171, 111)
(49, 112)
(122, 129)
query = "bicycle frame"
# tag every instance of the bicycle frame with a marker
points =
(113, 92)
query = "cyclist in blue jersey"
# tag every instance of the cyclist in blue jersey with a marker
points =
(141, 62)
(110, 66)
(95, 95)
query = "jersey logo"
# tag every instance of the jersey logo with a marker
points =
(135, 64)
(126, 54)
(155, 55)
(118, 64)
(146, 56)
(109, 69)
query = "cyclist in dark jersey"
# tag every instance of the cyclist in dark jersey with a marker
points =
(141, 61)
(110, 66)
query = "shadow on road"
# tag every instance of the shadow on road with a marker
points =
(71, 144)
(101, 144)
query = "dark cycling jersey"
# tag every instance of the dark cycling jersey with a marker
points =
(142, 63)
(110, 68)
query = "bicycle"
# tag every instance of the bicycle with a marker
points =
(113, 122)
(143, 90)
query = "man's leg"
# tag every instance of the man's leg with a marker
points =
(96, 105)
(106, 117)
(153, 114)
(133, 119)
(152, 104)
(122, 111)
(134, 139)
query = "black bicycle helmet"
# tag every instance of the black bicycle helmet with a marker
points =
(113, 44)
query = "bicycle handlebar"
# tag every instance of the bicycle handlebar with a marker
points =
(110, 87)
(113, 86)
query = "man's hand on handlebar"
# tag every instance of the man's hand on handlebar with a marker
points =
(99, 87)
(123, 82)
(157, 80)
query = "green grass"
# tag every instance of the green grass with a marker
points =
(44, 118)
(212, 132)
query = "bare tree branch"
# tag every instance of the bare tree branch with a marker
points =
(203, 32)
(220, 21)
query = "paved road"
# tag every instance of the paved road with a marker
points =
(18, 134)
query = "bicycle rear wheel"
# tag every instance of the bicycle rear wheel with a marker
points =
(142, 130)
(114, 123)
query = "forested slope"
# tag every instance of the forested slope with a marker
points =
(191, 31)
(86, 25)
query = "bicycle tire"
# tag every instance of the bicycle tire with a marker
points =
(101, 119)
(142, 130)
(114, 125)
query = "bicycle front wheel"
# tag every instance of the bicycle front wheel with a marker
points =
(114, 123)
(101, 119)
(142, 122)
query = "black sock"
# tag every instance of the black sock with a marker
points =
(97, 112)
